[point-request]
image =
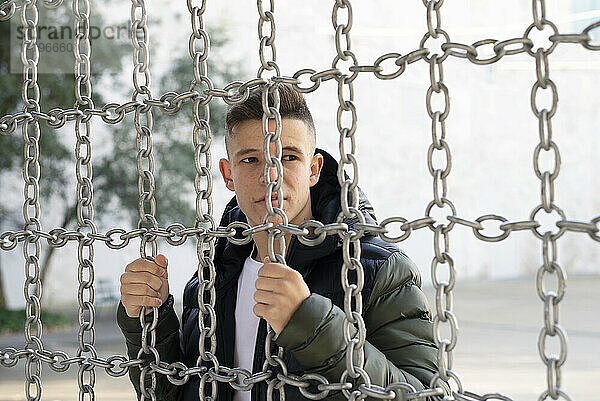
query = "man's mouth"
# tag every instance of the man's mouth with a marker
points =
(273, 198)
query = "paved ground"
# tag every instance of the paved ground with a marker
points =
(499, 323)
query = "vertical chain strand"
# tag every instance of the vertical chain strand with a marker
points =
(85, 211)
(273, 135)
(145, 179)
(31, 175)
(270, 105)
(145, 160)
(550, 266)
(441, 240)
(266, 41)
(351, 248)
(202, 138)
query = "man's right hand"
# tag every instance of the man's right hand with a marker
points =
(144, 283)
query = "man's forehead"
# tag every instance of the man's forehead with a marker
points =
(248, 137)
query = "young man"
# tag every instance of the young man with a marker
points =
(303, 300)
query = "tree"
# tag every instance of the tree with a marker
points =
(56, 90)
(114, 173)
(172, 145)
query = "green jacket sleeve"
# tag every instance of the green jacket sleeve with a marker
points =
(167, 345)
(399, 345)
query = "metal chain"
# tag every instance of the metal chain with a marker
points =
(550, 266)
(207, 341)
(146, 185)
(273, 135)
(31, 207)
(85, 211)
(441, 239)
(351, 249)
(177, 234)
(266, 41)
(177, 373)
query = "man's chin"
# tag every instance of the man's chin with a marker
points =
(275, 220)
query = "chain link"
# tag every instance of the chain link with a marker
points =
(7, 9)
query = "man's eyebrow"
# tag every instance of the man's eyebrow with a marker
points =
(246, 151)
(252, 150)
(293, 149)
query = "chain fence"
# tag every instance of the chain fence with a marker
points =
(205, 231)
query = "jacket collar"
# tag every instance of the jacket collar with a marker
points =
(325, 205)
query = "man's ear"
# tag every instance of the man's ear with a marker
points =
(316, 164)
(225, 169)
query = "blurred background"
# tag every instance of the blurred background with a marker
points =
(491, 130)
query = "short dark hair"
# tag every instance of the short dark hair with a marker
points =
(291, 105)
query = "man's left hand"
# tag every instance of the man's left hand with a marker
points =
(279, 292)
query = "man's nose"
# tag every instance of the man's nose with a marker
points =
(272, 175)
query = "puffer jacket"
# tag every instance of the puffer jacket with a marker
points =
(399, 345)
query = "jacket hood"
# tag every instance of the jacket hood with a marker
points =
(325, 205)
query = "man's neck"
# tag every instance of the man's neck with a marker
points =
(261, 238)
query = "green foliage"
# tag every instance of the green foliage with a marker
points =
(56, 90)
(13, 321)
(115, 176)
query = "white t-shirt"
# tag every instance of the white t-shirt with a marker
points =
(246, 322)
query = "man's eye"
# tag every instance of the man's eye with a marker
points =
(291, 157)
(249, 160)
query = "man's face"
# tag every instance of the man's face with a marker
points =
(243, 172)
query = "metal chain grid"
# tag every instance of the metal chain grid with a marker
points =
(205, 230)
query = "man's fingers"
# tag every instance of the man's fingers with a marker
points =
(161, 260)
(139, 289)
(263, 297)
(274, 270)
(142, 283)
(142, 300)
(261, 310)
(142, 277)
(268, 284)
(143, 265)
